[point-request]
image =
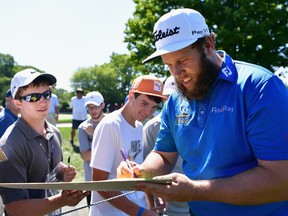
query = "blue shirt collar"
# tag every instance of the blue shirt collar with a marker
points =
(228, 69)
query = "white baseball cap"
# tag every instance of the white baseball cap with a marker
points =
(27, 76)
(169, 86)
(94, 97)
(176, 30)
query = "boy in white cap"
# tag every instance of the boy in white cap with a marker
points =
(122, 130)
(227, 120)
(94, 103)
(33, 149)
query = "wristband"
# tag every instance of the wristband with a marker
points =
(140, 211)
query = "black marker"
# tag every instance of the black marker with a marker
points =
(68, 161)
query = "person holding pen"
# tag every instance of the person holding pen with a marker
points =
(122, 129)
(227, 121)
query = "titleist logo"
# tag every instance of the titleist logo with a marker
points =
(158, 35)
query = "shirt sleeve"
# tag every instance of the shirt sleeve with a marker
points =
(83, 137)
(267, 126)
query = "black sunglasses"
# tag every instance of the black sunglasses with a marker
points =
(36, 96)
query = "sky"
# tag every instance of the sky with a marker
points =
(61, 36)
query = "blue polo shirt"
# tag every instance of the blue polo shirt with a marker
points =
(6, 119)
(243, 118)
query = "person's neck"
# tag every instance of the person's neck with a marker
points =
(126, 112)
(37, 125)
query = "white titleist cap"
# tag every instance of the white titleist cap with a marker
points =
(27, 76)
(176, 30)
(94, 97)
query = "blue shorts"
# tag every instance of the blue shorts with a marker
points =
(76, 123)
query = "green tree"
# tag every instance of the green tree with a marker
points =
(112, 79)
(64, 98)
(125, 73)
(8, 67)
(7, 64)
(101, 78)
(254, 31)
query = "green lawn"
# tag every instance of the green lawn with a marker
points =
(73, 152)
(64, 118)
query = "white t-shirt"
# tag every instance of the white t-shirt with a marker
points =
(54, 102)
(113, 133)
(79, 111)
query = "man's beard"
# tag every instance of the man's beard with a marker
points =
(97, 117)
(205, 80)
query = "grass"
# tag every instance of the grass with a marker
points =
(72, 151)
(64, 118)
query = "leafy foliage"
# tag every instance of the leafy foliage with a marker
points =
(8, 68)
(6, 72)
(254, 31)
(112, 79)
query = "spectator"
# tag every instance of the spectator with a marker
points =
(95, 106)
(54, 110)
(79, 112)
(108, 108)
(150, 131)
(123, 129)
(228, 122)
(33, 148)
(9, 115)
(116, 106)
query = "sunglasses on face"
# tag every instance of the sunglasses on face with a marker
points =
(36, 96)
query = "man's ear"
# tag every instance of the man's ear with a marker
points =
(209, 45)
(17, 103)
(130, 96)
(103, 105)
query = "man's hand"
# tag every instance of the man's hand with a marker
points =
(69, 173)
(123, 170)
(89, 129)
(178, 190)
(73, 197)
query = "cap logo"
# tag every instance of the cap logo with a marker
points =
(157, 86)
(135, 85)
(158, 35)
(201, 32)
(13, 89)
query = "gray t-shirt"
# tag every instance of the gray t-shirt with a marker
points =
(85, 141)
(150, 132)
(30, 157)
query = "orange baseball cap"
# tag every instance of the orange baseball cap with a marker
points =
(148, 85)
